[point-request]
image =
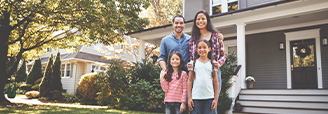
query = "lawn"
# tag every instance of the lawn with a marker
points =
(64, 110)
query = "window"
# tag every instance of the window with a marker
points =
(222, 6)
(232, 49)
(97, 68)
(66, 70)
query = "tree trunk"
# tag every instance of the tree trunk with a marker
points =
(4, 38)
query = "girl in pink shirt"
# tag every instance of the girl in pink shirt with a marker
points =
(174, 84)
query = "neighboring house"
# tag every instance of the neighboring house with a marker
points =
(85, 60)
(281, 43)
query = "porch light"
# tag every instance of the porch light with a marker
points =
(281, 45)
(324, 41)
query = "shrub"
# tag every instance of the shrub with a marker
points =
(32, 94)
(21, 74)
(116, 84)
(144, 96)
(38, 81)
(35, 87)
(144, 70)
(26, 87)
(55, 82)
(224, 102)
(45, 86)
(69, 98)
(88, 88)
(35, 73)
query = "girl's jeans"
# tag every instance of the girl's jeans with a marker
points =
(203, 107)
(172, 108)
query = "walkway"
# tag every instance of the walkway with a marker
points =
(23, 99)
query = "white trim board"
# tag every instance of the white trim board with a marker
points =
(299, 35)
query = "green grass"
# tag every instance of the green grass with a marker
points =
(64, 110)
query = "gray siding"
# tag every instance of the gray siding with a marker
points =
(265, 62)
(324, 57)
(251, 3)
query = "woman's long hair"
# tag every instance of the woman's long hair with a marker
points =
(168, 75)
(196, 57)
(195, 30)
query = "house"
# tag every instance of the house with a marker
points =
(86, 60)
(281, 43)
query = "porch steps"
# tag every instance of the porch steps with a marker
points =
(302, 101)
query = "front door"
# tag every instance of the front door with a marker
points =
(303, 64)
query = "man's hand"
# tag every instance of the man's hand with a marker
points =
(220, 36)
(216, 64)
(163, 72)
(182, 107)
(190, 104)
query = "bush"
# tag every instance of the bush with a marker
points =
(32, 94)
(69, 98)
(145, 70)
(35, 73)
(26, 87)
(45, 85)
(144, 96)
(38, 81)
(35, 87)
(21, 74)
(88, 87)
(116, 84)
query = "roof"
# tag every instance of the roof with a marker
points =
(218, 15)
(79, 55)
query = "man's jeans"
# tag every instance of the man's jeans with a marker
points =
(172, 108)
(203, 107)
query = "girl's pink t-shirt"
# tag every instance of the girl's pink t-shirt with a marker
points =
(176, 90)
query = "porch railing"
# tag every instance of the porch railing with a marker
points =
(235, 88)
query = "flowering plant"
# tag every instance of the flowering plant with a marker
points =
(250, 79)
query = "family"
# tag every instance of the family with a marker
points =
(191, 76)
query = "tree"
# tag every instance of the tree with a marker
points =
(161, 12)
(55, 82)
(35, 73)
(21, 74)
(45, 85)
(27, 27)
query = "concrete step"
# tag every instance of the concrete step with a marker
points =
(263, 110)
(274, 104)
(297, 98)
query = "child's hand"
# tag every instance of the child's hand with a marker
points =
(190, 65)
(182, 107)
(214, 104)
(190, 104)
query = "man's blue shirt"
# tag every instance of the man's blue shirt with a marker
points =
(171, 43)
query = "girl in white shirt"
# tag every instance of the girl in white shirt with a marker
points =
(203, 85)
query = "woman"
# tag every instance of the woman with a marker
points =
(204, 29)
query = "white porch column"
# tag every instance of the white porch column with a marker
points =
(141, 51)
(241, 53)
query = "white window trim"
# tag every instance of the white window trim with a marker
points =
(300, 35)
(97, 68)
(229, 43)
(65, 70)
(224, 5)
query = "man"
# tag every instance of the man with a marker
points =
(176, 41)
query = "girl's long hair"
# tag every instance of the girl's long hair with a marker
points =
(168, 75)
(196, 56)
(195, 30)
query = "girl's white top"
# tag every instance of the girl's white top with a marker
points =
(203, 84)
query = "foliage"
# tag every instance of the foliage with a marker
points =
(161, 12)
(38, 81)
(250, 79)
(21, 74)
(68, 98)
(228, 68)
(55, 82)
(144, 70)
(36, 87)
(116, 84)
(144, 95)
(26, 87)
(88, 88)
(35, 73)
(45, 85)
(28, 27)
(32, 94)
